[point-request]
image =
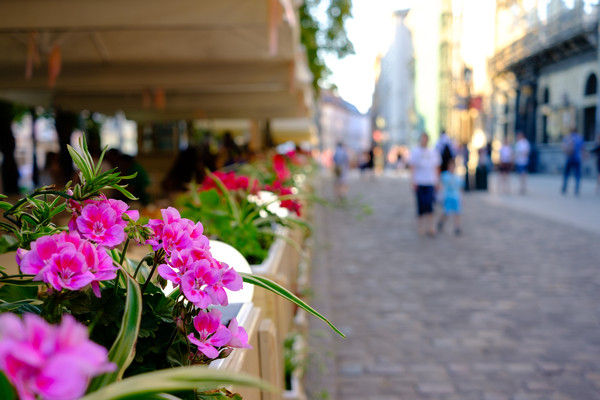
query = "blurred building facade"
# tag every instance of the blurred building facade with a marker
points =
(423, 21)
(545, 75)
(340, 121)
(393, 109)
(453, 40)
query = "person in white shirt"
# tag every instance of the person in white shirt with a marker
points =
(424, 165)
(506, 162)
(522, 150)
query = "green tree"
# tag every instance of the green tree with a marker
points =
(323, 35)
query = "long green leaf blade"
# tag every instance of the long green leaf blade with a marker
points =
(274, 287)
(174, 379)
(122, 351)
(233, 206)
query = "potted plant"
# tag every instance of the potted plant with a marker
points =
(77, 297)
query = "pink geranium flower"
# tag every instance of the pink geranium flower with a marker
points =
(100, 223)
(196, 279)
(228, 278)
(174, 233)
(120, 208)
(211, 333)
(46, 361)
(239, 336)
(231, 181)
(68, 270)
(66, 261)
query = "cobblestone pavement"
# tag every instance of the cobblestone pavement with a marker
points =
(509, 310)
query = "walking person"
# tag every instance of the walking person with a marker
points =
(424, 166)
(572, 146)
(521, 158)
(596, 150)
(451, 185)
(506, 163)
(341, 164)
(446, 149)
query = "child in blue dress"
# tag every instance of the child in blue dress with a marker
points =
(451, 197)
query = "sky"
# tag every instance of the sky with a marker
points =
(370, 30)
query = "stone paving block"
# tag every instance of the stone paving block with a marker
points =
(494, 396)
(351, 369)
(528, 396)
(488, 367)
(547, 368)
(464, 396)
(538, 386)
(520, 368)
(445, 342)
(386, 369)
(459, 368)
(362, 386)
(435, 388)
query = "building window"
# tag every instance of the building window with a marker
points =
(591, 86)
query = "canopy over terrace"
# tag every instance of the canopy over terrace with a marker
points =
(155, 59)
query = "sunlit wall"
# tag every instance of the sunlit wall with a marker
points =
(424, 23)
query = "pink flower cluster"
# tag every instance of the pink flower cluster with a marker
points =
(280, 167)
(231, 181)
(202, 279)
(214, 336)
(101, 220)
(281, 190)
(188, 260)
(46, 361)
(67, 261)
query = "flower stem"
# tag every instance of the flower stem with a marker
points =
(137, 269)
(149, 278)
(124, 251)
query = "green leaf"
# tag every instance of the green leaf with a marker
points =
(122, 351)
(6, 306)
(6, 390)
(124, 191)
(80, 162)
(210, 198)
(271, 286)
(233, 206)
(17, 293)
(174, 379)
(5, 205)
(154, 396)
(20, 282)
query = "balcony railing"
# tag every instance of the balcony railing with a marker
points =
(578, 26)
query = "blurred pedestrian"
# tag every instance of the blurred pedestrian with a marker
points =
(451, 185)
(464, 152)
(52, 174)
(481, 171)
(521, 158)
(129, 166)
(596, 150)
(424, 165)
(446, 149)
(341, 164)
(572, 146)
(506, 162)
(367, 164)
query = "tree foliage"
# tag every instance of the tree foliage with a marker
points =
(323, 35)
